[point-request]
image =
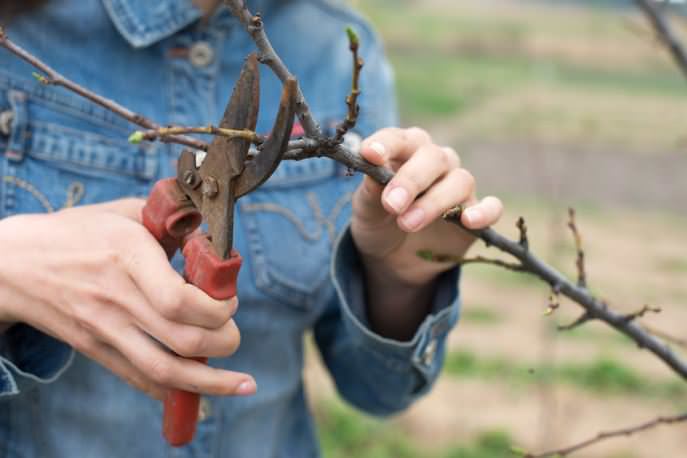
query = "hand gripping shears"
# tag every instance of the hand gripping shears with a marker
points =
(207, 192)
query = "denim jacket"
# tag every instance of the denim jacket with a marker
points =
(301, 269)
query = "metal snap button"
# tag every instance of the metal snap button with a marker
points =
(429, 353)
(6, 118)
(201, 54)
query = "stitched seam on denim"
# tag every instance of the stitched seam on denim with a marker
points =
(40, 380)
(74, 106)
(59, 129)
(329, 222)
(31, 189)
(326, 222)
(14, 389)
(75, 193)
(288, 214)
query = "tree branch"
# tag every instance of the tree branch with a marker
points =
(166, 132)
(52, 78)
(581, 273)
(563, 452)
(352, 99)
(664, 33)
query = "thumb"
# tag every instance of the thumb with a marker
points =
(367, 200)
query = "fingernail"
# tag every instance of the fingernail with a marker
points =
(379, 148)
(413, 218)
(472, 216)
(246, 388)
(397, 198)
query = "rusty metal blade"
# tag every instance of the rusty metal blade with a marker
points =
(266, 162)
(226, 158)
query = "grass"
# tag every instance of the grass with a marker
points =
(345, 432)
(562, 75)
(602, 376)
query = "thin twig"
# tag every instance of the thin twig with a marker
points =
(438, 257)
(582, 319)
(352, 98)
(51, 77)
(581, 273)
(164, 132)
(522, 228)
(664, 33)
(602, 436)
(554, 300)
(641, 312)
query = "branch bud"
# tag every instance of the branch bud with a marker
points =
(136, 138)
(41, 79)
(353, 39)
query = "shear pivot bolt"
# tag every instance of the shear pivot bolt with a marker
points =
(189, 178)
(210, 188)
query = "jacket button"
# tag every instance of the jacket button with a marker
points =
(6, 118)
(429, 353)
(201, 54)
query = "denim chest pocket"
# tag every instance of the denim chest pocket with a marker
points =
(60, 152)
(291, 223)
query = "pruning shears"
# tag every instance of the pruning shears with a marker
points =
(205, 190)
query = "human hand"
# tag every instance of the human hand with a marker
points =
(391, 224)
(108, 290)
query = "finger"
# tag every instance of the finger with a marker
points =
(483, 214)
(168, 293)
(415, 176)
(452, 156)
(457, 187)
(396, 145)
(174, 371)
(192, 341)
(113, 360)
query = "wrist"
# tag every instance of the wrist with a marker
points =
(396, 306)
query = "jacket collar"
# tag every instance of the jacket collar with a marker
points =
(145, 22)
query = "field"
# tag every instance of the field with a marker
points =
(550, 105)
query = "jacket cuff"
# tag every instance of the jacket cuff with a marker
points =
(29, 357)
(424, 352)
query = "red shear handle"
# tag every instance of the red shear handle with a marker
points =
(217, 277)
(170, 217)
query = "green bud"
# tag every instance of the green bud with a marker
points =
(136, 137)
(352, 37)
(41, 79)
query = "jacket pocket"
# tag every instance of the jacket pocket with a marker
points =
(56, 155)
(291, 223)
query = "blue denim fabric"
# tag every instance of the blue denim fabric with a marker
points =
(57, 150)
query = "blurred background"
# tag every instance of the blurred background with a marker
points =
(551, 104)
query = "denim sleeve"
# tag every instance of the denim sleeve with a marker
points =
(29, 357)
(377, 374)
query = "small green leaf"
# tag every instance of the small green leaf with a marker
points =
(136, 137)
(352, 37)
(41, 79)
(427, 255)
